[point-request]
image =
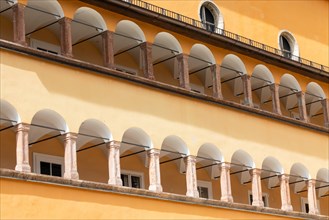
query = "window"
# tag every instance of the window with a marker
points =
(305, 205)
(285, 47)
(264, 198)
(44, 46)
(207, 18)
(205, 189)
(211, 17)
(132, 179)
(48, 165)
(288, 45)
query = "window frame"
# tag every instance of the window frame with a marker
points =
(294, 48)
(264, 194)
(208, 185)
(216, 13)
(304, 201)
(39, 157)
(134, 173)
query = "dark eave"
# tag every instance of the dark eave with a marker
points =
(203, 35)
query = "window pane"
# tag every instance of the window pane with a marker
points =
(135, 182)
(44, 168)
(124, 179)
(307, 209)
(203, 192)
(56, 169)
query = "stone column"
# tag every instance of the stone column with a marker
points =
(108, 52)
(225, 183)
(66, 36)
(191, 180)
(70, 156)
(311, 196)
(114, 163)
(325, 109)
(154, 170)
(19, 24)
(257, 199)
(275, 98)
(216, 84)
(247, 90)
(184, 78)
(285, 193)
(146, 58)
(302, 106)
(22, 148)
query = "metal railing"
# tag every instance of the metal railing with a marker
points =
(225, 33)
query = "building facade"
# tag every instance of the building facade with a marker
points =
(164, 109)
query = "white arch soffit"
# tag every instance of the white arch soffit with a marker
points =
(243, 158)
(136, 136)
(219, 18)
(323, 176)
(299, 170)
(94, 128)
(314, 89)
(166, 40)
(49, 6)
(7, 111)
(262, 72)
(130, 29)
(210, 151)
(291, 82)
(202, 52)
(271, 163)
(292, 42)
(90, 16)
(47, 118)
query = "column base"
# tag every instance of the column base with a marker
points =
(314, 212)
(287, 208)
(194, 194)
(71, 175)
(258, 203)
(155, 188)
(26, 168)
(115, 182)
(226, 199)
(248, 103)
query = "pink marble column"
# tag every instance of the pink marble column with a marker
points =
(184, 78)
(311, 196)
(114, 163)
(66, 37)
(302, 106)
(285, 193)
(70, 156)
(325, 109)
(216, 84)
(154, 170)
(146, 58)
(225, 183)
(22, 148)
(257, 199)
(247, 90)
(108, 52)
(191, 179)
(275, 99)
(19, 24)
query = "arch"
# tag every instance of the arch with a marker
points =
(8, 114)
(133, 138)
(175, 144)
(167, 40)
(210, 151)
(233, 62)
(52, 7)
(43, 122)
(314, 89)
(271, 163)
(91, 130)
(208, 157)
(261, 78)
(313, 95)
(288, 86)
(299, 169)
(294, 48)
(202, 52)
(130, 29)
(262, 72)
(216, 13)
(323, 174)
(240, 157)
(290, 81)
(323, 177)
(91, 17)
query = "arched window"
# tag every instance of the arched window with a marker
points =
(210, 16)
(288, 45)
(207, 18)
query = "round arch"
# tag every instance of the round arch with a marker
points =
(8, 114)
(52, 7)
(135, 139)
(130, 29)
(294, 48)
(167, 40)
(272, 164)
(175, 144)
(91, 17)
(214, 9)
(261, 79)
(240, 157)
(210, 151)
(300, 170)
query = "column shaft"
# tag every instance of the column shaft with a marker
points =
(216, 84)
(184, 78)
(22, 148)
(311, 196)
(19, 24)
(114, 163)
(108, 52)
(146, 58)
(302, 106)
(275, 98)
(154, 170)
(66, 37)
(247, 90)
(325, 109)
(191, 179)
(225, 183)
(70, 156)
(285, 193)
(257, 199)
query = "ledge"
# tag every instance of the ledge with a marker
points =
(88, 185)
(202, 35)
(10, 46)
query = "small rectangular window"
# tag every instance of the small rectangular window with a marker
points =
(48, 164)
(132, 179)
(264, 198)
(205, 189)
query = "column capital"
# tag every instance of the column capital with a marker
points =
(70, 136)
(283, 177)
(190, 158)
(154, 151)
(64, 19)
(311, 182)
(113, 144)
(255, 171)
(25, 127)
(225, 165)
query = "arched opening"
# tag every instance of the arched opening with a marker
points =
(211, 17)
(8, 119)
(322, 190)
(133, 158)
(241, 164)
(271, 169)
(261, 80)
(87, 27)
(6, 19)
(173, 151)
(42, 26)
(208, 171)
(288, 45)
(92, 151)
(46, 143)
(313, 97)
(288, 89)
(232, 68)
(165, 48)
(127, 40)
(298, 187)
(199, 62)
